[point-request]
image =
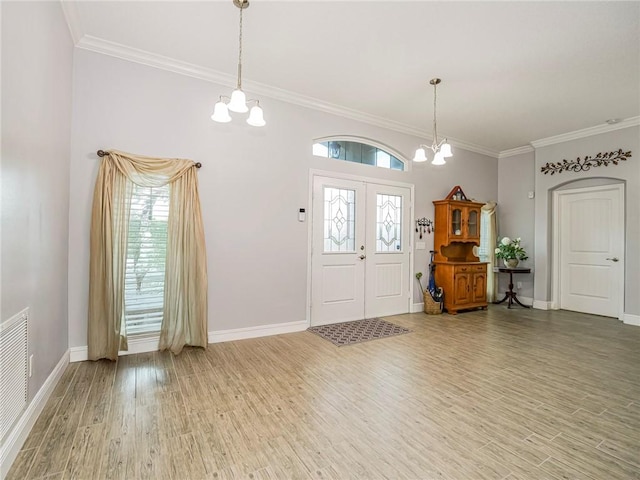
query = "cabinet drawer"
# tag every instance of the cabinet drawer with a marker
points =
(463, 269)
(470, 268)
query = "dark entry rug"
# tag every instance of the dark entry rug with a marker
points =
(358, 331)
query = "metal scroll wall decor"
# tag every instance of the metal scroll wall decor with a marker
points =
(578, 165)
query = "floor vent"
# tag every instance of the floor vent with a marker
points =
(13, 370)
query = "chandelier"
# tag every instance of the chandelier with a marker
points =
(440, 150)
(238, 101)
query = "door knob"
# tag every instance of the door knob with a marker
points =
(614, 259)
(362, 257)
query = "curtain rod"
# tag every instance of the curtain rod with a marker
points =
(102, 153)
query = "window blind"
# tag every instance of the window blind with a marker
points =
(146, 257)
(483, 249)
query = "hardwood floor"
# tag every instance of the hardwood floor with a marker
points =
(497, 394)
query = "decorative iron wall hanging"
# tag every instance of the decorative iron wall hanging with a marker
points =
(578, 165)
(424, 225)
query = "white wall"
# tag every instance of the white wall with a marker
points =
(627, 172)
(37, 55)
(252, 183)
(516, 214)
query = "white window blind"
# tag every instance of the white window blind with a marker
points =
(146, 257)
(483, 249)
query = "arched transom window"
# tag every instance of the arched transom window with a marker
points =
(354, 150)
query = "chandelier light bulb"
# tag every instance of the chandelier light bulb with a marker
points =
(438, 159)
(446, 150)
(256, 118)
(420, 155)
(442, 149)
(220, 113)
(238, 102)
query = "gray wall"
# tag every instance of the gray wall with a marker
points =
(252, 183)
(37, 54)
(516, 214)
(627, 172)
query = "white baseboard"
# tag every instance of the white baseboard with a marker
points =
(417, 307)
(11, 447)
(78, 354)
(150, 344)
(136, 345)
(255, 332)
(544, 305)
(631, 319)
(526, 300)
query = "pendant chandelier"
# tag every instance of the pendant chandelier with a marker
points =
(238, 101)
(440, 150)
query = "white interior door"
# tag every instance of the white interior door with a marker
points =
(360, 256)
(388, 250)
(591, 245)
(337, 256)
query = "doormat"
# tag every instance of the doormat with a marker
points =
(358, 331)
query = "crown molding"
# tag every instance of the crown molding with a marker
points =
(516, 151)
(587, 132)
(71, 15)
(124, 52)
(472, 147)
(565, 137)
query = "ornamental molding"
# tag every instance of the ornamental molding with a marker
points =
(587, 132)
(143, 57)
(587, 163)
(516, 151)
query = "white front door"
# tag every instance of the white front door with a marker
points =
(388, 250)
(338, 251)
(591, 247)
(360, 257)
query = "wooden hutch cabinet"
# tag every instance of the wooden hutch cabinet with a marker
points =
(458, 270)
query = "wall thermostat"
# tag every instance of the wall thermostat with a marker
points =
(301, 215)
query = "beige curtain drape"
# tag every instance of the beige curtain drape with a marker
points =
(185, 295)
(489, 212)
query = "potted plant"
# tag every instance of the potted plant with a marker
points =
(510, 252)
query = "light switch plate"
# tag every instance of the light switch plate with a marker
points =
(421, 246)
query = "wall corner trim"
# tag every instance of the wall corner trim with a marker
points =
(631, 319)
(18, 434)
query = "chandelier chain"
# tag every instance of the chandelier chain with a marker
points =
(435, 129)
(240, 48)
(441, 149)
(238, 102)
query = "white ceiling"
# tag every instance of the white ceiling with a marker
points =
(513, 72)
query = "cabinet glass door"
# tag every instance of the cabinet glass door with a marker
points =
(456, 221)
(472, 224)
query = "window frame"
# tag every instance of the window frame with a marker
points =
(142, 326)
(368, 142)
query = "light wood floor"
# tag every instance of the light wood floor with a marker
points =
(483, 395)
